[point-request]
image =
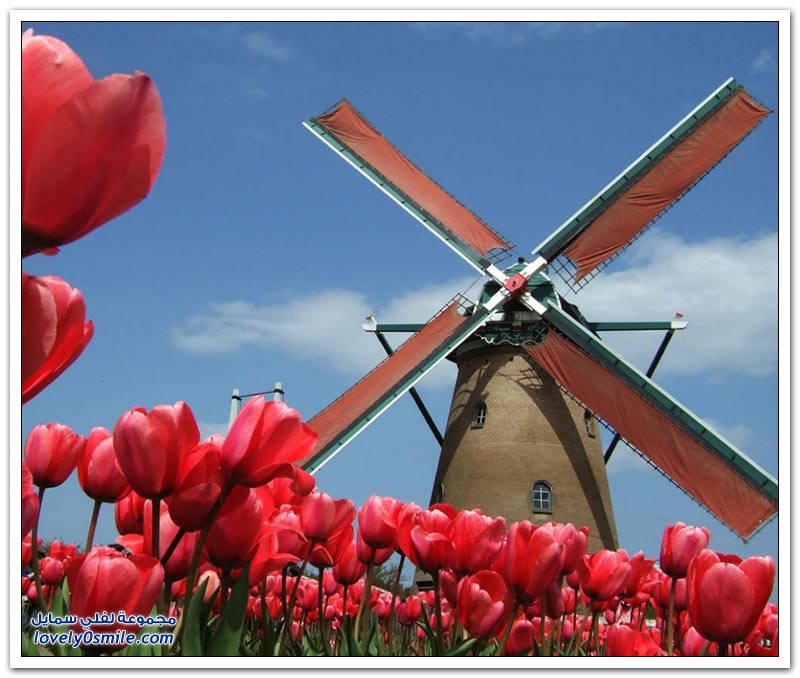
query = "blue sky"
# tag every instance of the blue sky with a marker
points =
(258, 253)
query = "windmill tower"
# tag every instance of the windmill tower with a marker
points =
(516, 445)
(533, 373)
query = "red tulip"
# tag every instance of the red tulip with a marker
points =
(659, 587)
(377, 521)
(52, 452)
(348, 569)
(265, 436)
(604, 574)
(477, 539)
(291, 489)
(151, 446)
(105, 580)
(323, 516)
(30, 500)
(727, 594)
(424, 539)
(129, 514)
(54, 330)
(268, 556)
(177, 565)
(530, 560)
(409, 611)
(625, 641)
(368, 554)
(520, 638)
(91, 150)
(484, 603)
(641, 567)
(575, 542)
(200, 483)
(99, 473)
(679, 544)
(694, 645)
(233, 537)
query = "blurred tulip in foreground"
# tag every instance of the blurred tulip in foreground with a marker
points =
(54, 330)
(91, 149)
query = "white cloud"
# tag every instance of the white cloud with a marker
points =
(726, 287)
(331, 336)
(261, 43)
(763, 63)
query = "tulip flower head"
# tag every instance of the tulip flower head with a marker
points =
(679, 544)
(484, 603)
(265, 437)
(99, 473)
(105, 580)
(727, 594)
(52, 452)
(530, 560)
(91, 149)
(54, 330)
(151, 446)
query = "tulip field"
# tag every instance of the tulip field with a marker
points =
(226, 547)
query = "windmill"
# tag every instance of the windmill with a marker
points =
(534, 376)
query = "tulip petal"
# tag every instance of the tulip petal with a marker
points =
(102, 148)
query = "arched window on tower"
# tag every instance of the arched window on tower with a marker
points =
(479, 415)
(542, 497)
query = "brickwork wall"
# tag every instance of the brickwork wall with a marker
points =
(532, 432)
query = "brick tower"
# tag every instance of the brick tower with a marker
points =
(516, 445)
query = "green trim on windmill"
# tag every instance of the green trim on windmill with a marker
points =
(471, 323)
(724, 450)
(399, 196)
(562, 236)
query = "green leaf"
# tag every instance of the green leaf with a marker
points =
(226, 640)
(29, 648)
(193, 624)
(353, 648)
(462, 649)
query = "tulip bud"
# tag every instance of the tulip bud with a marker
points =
(51, 453)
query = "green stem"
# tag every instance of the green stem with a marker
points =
(394, 596)
(37, 572)
(93, 524)
(265, 622)
(172, 546)
(595, 630)
(156, 523)
(225, 583)
(321, 612)
(503, 642)
(191, 577)
(542, 634)
(364, 604)
(670, 615)
(290, 608)
(439, 630)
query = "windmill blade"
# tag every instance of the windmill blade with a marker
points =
(702, 463)
(609, 222)
(358, 407)
(358, 142)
